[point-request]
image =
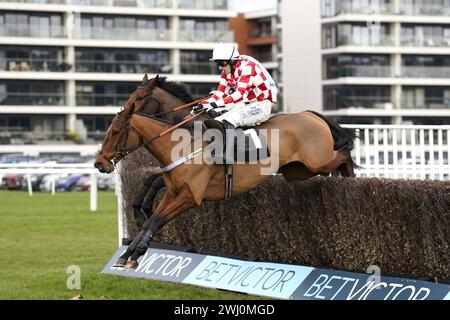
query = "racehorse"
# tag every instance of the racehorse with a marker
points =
(310, 144)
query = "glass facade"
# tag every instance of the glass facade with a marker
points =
(32, 93)
(197, 62)
(103, 93)
(31, 24)
(121, 60)
(356, 65)
(123, 3)
(23, 58)
(359, 34)
(425, 7)
(350, 96)
(203, 4)
(200, 90)
(31, 129)
(331, 8)
(425, 35)
(95, 26)
(419, 66)
(263, 53)
(208, 30)
(426, 97)
(96, 125)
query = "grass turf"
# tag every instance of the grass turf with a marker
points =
(41, 236)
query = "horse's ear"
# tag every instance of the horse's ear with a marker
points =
(145, 79)
(154, 82)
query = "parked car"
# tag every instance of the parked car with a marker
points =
(46, 183)
(12, 181)
(68, 183)
(36, 180)
(106, 182)
(84, 183)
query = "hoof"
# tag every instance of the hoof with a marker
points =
(131, 265)
(120, 263)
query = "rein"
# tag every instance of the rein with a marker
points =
(190, 104)
(120, 149)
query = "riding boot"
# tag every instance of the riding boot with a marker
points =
(228, 142)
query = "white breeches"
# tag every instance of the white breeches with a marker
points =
(242, 114)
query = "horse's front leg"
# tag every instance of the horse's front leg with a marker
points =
(166, 211)
(122, 260)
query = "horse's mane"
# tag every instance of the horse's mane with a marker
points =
(179, 90)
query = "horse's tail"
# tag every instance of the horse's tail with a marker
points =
(342, 136)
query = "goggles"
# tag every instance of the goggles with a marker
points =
(222, 63)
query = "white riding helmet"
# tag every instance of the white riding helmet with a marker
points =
(224, 51)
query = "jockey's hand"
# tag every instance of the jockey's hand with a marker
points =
(200, 107)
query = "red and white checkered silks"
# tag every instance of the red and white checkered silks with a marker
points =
(249, 81)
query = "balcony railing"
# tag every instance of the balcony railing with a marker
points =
(122, 34)
(384, 40)
(125, 3)
(32, 99)
(38, 1)
(426, 10)
(206, 36)
(426, 103)
(417, 41)
(263, 33)
(370, 102)
(105, 99)
(357, 7)
(182, 4)
(32, 137)
(44, 65)
(199, 68)
(203, 4)
(425, 72)
(116, 3)
(121, 66)
(264, 57)
(359, 71)
(27, 30)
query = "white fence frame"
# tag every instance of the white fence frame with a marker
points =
(45, 168)
(402, 151)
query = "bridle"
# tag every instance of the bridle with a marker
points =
(120, 151)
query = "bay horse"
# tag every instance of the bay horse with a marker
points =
(310, 144)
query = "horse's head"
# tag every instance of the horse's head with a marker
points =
(120, 139)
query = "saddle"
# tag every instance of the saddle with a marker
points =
(241, 145)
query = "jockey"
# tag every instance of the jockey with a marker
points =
(245, 93)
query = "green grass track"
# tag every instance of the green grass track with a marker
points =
(41, 236)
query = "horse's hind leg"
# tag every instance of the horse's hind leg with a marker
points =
(139, 216)
(344, 164)
(147, 205)
(346, 169)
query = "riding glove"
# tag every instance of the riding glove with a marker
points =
(200, 107)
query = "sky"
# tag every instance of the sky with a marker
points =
(251, 5)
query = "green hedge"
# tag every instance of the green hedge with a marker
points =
(402, 226)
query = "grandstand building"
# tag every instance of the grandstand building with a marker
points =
(66, 66)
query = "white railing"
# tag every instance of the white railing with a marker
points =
(30, 169)
(402, 151)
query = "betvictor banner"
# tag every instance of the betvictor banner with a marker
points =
(158, 264)
(283, 281)
(324, 284)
